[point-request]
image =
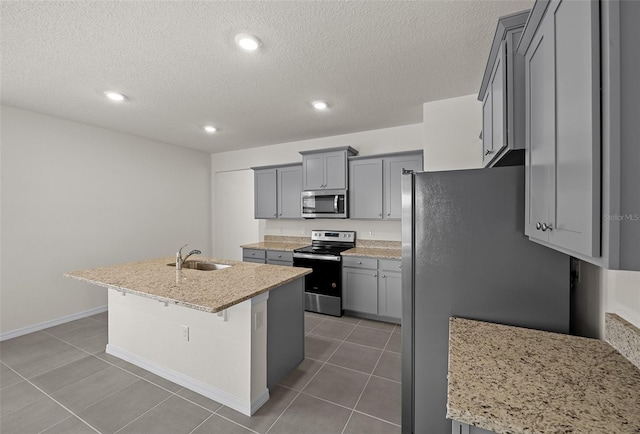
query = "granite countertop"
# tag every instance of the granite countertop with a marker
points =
(275, 245)
(515, 380)
(372, 252)
(209, 291)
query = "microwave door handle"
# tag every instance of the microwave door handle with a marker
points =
(335, 203)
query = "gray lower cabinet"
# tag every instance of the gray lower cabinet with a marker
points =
(463, 428)
(372, 287)
(277, 191)
(257, 256)
(279, 257)
(374, 184)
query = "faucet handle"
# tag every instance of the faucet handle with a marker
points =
(180, 251)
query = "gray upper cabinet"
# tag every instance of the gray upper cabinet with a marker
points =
(365, 188)
(265, 193)
(581, 105)
(562, 135)
(325, 168)
(502, 96)
(374, 184)
(289, 192)
(277, 191)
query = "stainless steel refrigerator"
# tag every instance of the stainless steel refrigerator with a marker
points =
(464, 254)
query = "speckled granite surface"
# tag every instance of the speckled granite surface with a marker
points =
(624, 337)
(210, 291)
(380, 253)
(276, 242)
(514, 380)
(379, 244)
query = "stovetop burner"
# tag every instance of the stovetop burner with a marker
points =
(329, 242)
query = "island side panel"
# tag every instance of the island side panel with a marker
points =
(285, 331)
(215, 361)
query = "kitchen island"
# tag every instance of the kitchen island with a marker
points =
(227, 334)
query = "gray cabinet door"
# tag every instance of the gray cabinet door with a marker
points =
(289, 192)
(265, 194)
(575, 209)
(563, 128)
(335, 170)
(253, 255)
(390, 294)
(360, 290)
(392, 191)
(365, 189)
(313, 171)
(539, 159)
(498, 86)
(487, 124)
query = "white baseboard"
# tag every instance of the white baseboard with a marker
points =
(245, 407)
(54, 322)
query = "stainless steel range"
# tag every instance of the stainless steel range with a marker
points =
(323, 287)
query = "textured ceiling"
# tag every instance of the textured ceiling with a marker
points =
(375, 62)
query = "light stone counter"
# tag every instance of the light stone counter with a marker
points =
(283, 243)
(209, 291)
(515, 380)
(380, 253)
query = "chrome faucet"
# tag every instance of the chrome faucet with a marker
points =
(180, 260)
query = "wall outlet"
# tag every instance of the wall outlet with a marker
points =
(259, 320)
(185, 332)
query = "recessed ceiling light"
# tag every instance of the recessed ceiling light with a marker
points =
(210, 129)
(247, 42)
(320, 105)
(115, 96)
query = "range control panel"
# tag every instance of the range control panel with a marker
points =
(341, 236)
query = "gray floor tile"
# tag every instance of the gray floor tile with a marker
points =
(88, 391)
(389, 366)
(311, 322)
(159, 381)
(103, 317)
(8, 377)
(395, 343)
(117, 410)
(311, 416)
(71, 425)
(360, 423)
(262, 420)
(218, 425)
(33, 418)
(63, 329)
(39, 354)
(319, 348)
(130, 367)
(202, 401)
(19, 395)
(369, 337)
(339, 385)
(377, 325)
(333, 329)
(80, 334)
(93, 344)
(302, 374)
(173, 416)
(68, 374)
(315, 315)
(346, 319)
(381, 398)
(356, 357)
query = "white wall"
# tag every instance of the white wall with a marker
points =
(76, 196)
(451, 134)
(448, 136)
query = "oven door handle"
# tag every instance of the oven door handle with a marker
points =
(317, 257)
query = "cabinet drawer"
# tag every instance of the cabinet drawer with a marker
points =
(390, 265)
(358, 262)
(253, 253)
(279, 255)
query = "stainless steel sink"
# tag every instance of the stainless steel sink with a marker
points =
(201, 265)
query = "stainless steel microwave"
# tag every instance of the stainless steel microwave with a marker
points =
(327, 204)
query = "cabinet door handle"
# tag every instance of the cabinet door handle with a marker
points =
(388, 214)
(380, 215)
(546, 227)
(359, 262)
(383, 276)
(489, 152)
(538, 226)
(375, 275)
(275, 215)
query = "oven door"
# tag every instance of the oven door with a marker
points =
(323, 287)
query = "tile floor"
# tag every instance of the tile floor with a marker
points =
(60, 380)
